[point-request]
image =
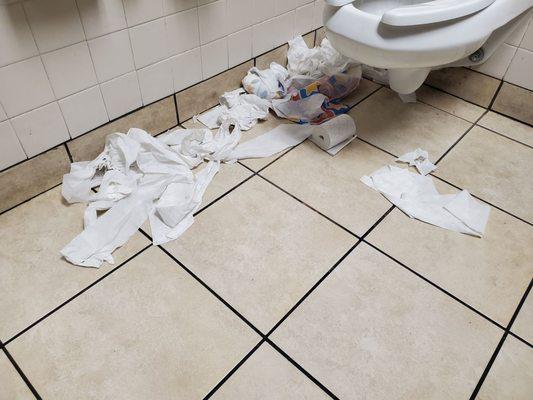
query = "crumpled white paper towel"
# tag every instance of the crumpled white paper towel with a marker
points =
(417, 196)
(420, 159)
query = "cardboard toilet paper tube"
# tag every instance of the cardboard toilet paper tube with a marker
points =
(334, 132)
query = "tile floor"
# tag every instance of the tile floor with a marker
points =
(296, 281)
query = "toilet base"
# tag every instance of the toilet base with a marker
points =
(407, 80)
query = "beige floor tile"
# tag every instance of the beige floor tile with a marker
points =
(154, 119)
(204, 95)
(465, 83)
(508, 127)
(494, 168)
(511, 375)
(148, 331)
(332, 185)
(32, 177)
(523, 325)
(260, 250)
(364, 89)
(374, 329)
(490, 274)
(12, 387)
(397, 127)
(34, 278)
(262, 127)
(447, 102)
(320, 35)
(516, 102)
(268, 375)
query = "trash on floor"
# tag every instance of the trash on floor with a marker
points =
(236, 105)
(420, 159)
(145, 178)
(309, 91)
(332, 136)
(417, 196)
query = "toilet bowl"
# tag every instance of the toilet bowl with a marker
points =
(409, 38)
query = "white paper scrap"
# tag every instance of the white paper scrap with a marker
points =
(420, 159)
(417, 196)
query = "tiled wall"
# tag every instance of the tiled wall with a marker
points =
(69, 66)
(513, 61)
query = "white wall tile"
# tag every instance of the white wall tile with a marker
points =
(527, 40)
(148, 42)
(182, 31)
(40, 129)
(516, 37)
(263, 10)
(100, 17)
(54, 24)
(24, 86)
(262, 37)
(212, 19)
(16, 39)
(520, 70)
(240, 14)
(70, 69)
(11, 151)
(282, 29)
(84, 111)
(174, 6)
(121, 95)
(283, 6)
(112, 55)
(239, 47)
(304, 19)
(186, 69)
(319, 11)
(156, 81)
(498, 63)
(214, 57)
(139, 11)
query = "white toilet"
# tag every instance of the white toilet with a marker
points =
(412, 37)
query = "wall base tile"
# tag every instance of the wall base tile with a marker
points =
(204, 95)
(515, 102)
(154, 118)
(32, 177)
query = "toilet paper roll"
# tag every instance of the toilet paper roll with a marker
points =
(334, 133)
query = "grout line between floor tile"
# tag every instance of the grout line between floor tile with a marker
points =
(21, 373)
(460, 138)
(302, 370)
(471, 308)
(495, 95)
(30, 198)
(234, 369)
(504, 136)
(76, 295)
(521, 339)
(501, 342)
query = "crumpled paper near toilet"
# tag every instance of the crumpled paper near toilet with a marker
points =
(417, 196)
(141, 177)
(420, 160)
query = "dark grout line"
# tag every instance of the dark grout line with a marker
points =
(302, 370)
(500, 343)
(504, 136)
(434, 284)
(234, 369)
(21, 373)
(511, 117)
(495, 95)
(312, 289)
(30, 198)
(201, 282)
(68, 152)
(310, 207)
(77, 294)
(460, 138)
(176, 108)
(521, 339)
(377, 147)
(454, 95)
